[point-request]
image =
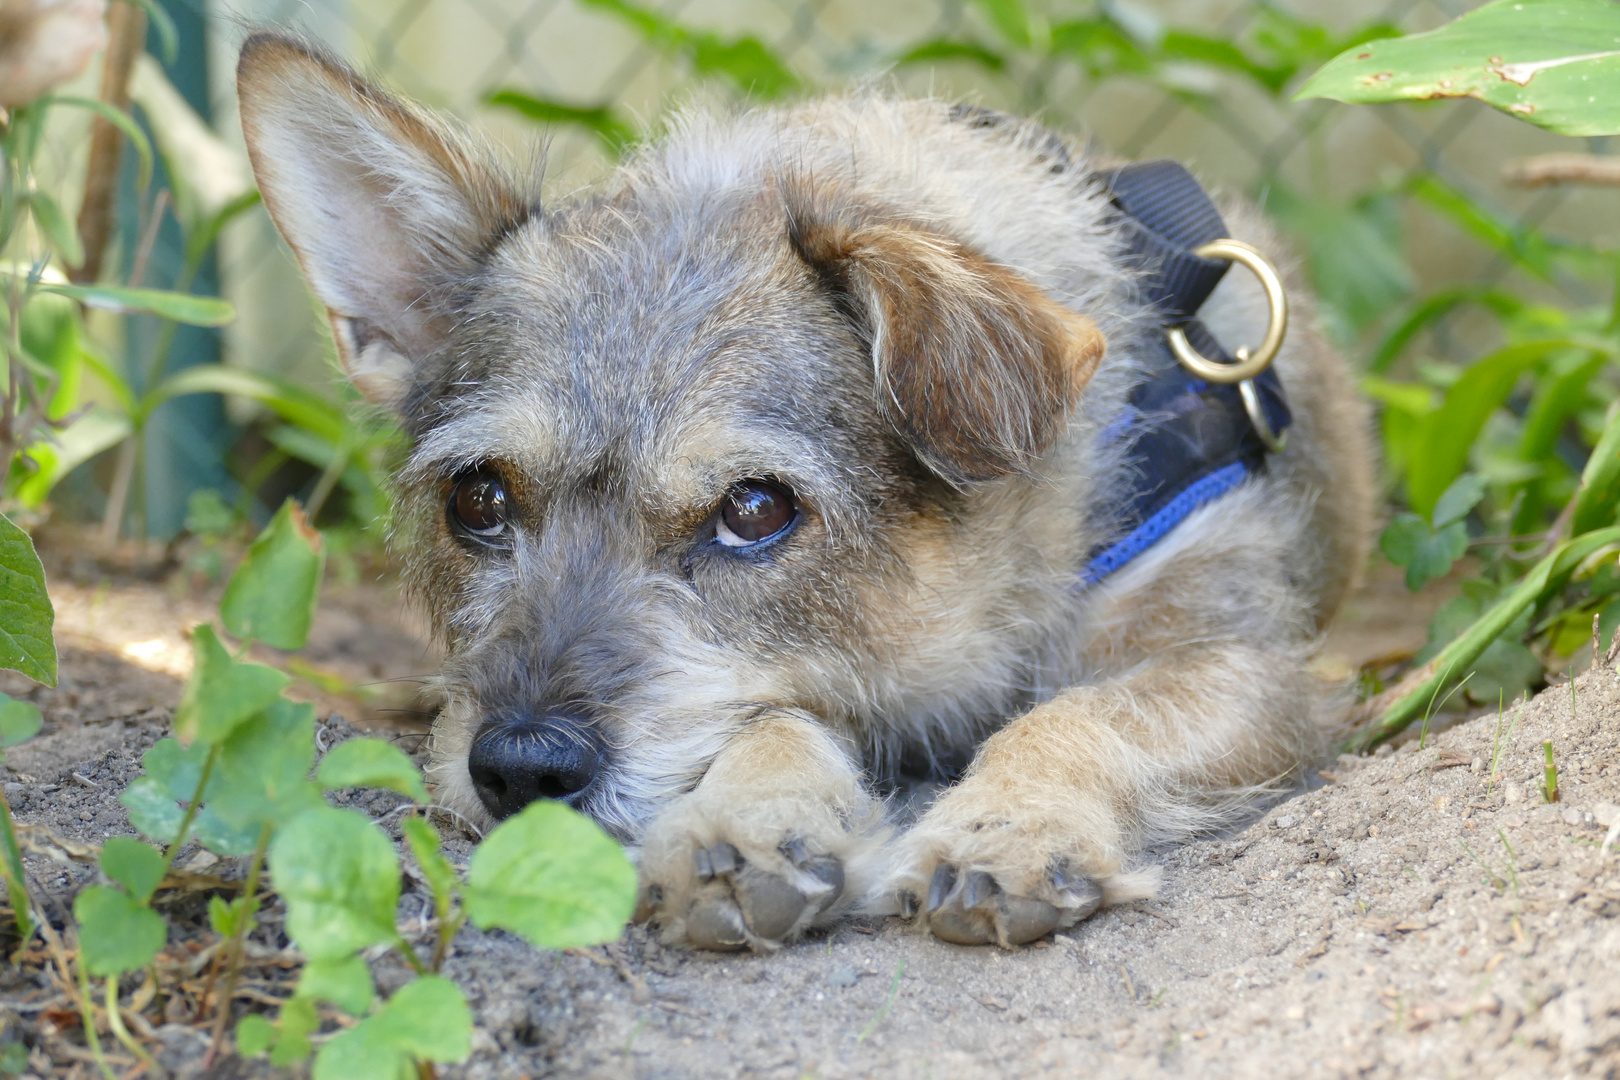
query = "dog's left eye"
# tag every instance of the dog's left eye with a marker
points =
(755, 510)
(478, 505)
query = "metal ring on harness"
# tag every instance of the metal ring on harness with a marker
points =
(1252, 364)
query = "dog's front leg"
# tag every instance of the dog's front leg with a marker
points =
(1042, 830)
(778, 836)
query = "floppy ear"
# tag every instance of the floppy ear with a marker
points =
(383, 206)
(976, 366)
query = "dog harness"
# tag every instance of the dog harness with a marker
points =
(1202, 421)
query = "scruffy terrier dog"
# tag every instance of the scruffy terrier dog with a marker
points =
(793, 459)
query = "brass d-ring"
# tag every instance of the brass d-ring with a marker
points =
(1254, 363)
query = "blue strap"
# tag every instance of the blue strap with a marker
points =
(1190, 441)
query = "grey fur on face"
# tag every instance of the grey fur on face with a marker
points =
(773, 464)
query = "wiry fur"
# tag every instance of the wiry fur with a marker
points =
(897, 309)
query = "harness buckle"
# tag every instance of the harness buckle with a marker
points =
(1249, 363)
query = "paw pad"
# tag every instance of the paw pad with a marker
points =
(972, 908)
(737, 904)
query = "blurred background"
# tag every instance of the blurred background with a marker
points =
(1427, 246)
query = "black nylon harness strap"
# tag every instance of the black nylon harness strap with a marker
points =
(1190, 441)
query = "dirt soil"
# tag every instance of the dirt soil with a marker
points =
(1405, 914)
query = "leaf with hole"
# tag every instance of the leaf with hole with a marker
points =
(1555, 63)
(271, 598)
(551, 875)
(371, 763)
(339, 877)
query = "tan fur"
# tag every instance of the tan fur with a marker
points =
(897, 311)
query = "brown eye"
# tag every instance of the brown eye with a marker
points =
(478, 504)
(755, 510)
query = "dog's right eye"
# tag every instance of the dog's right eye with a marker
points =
(478, 505)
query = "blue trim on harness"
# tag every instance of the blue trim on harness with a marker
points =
(1188, 442)
(1204, 490)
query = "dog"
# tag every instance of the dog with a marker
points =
(816, 447)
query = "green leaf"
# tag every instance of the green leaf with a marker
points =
(221, 838)
(1436, 554)
(136, 866)
(371, 763)
(1354, 255)
(224, 917)
(254, 1034)
(1402, 538)
(292, 403)
(221, 692)
(1462, 496)
(551, 875)
(260, 777)
(423, 839)
(208, 515)
(56, 226)
(748, 63)
(1599, 494)
(298, 1021)
(19, 721)
(151, 808)
(180, 307)
(13, 1058)
(360, 1054)
(933, 52)
(116, 934)
(272, 596)
(607, 125)
(345, 983)
(427, 1018)
(1555, 63)
(26, 614)
(339, 877)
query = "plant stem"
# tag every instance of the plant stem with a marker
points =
(1549, 785)
(115, 1020)
(16, 887)
(191, 809)
(126, 25)
(233, 965)
(447, 932)
(87, 1013)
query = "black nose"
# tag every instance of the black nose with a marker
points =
(516, 760)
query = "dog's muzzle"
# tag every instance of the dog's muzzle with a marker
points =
(518, 758)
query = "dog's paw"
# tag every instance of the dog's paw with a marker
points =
(984, 867)
(735, 904)
(970, 907)
(777, 838)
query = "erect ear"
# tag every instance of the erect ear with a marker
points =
(975, 365)
(384, 207)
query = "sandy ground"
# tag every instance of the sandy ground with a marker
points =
(1406, 914)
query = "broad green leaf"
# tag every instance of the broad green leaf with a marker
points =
(271, 598)
(371, 763)
(361, 1054)
(551, 875)
(254, 1034)
(221, 692)
(427, 1018)
(292, 403)
(748, 63)
(608, 126)
(56, 226)
(97, 429)
(26, 614)
(1462, 496)
(151, 808)
(180, 307)
(423, 839)
(1555, 63)
(225, 916)
(262, 768)
(116, 934)
(339, 877)
(19, 721)
(1599, 494)
(1556, 400)
(298, 1021)
(221, 838)
(1402, 537)
(1436, 554)
(136, 866)
(345, 983)
(932, 52)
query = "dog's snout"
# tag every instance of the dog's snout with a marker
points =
(517, 760)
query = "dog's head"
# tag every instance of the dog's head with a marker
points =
(720, 438)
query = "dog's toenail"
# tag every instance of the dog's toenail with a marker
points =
(702, 864)
(725, 859)
(908, 905)
(977, 889)
(796, 851)
(939, 889)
